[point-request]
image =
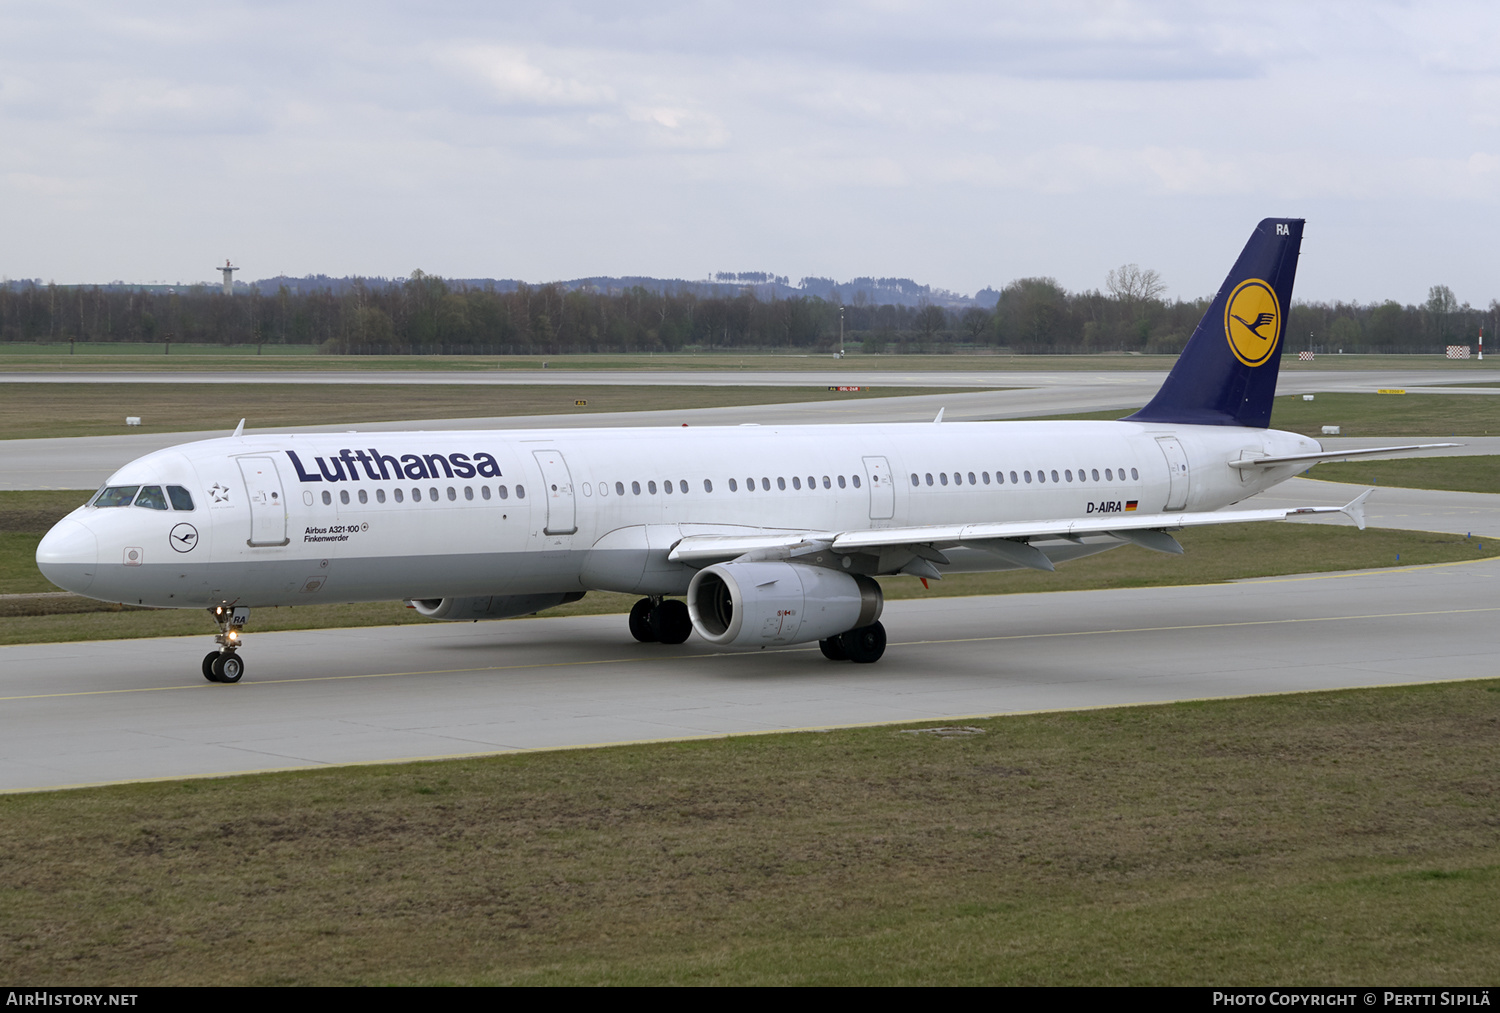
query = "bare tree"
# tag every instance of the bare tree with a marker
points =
(1130, 284)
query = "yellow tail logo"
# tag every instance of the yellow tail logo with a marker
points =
(1252, 322)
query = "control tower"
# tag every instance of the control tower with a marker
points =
(228, 270)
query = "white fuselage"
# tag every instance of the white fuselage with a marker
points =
(290, 520)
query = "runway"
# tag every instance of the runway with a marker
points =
(103, 712)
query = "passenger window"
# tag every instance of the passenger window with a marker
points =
(484, 491)
(151, 498)
(432, 493)
(120, 495)
(971, 479)
(1000, 478)
(344, 496)
(708, 486)
(855, 480)
(943, 477)
(1013, 478)
(1095, 474)
(502, 491)
(635, 487)
(827, 484)
(619, 489)
(327, 498)
(666, 487)
(1054, 474)
(811, 483)
(1135, 475)
(180, 497)
(749, 485)
(1109, 475)
(399, 495)
(796, 482)
(1068, 474)
(986, 476)
(929, 478)
(364, 497)
(416, 495)
(1041, 476)
(781, 484)
(841, 481)
(380, 495)
(468, 492)
(520, 491)
(1028, 477)
(914, 480)
(958, 478)
(452, 494)
(651, 487)
(765, 484)
(603, 489)
(682, 485)
(734, 486)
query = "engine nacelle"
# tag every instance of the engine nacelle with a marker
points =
(756, 604)
(459, 610)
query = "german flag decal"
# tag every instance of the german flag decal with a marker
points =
(1130, 504)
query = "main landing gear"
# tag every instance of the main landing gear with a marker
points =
(660, 620)
(225, 664)
(863, 646)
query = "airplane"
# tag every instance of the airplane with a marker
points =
(751, 536)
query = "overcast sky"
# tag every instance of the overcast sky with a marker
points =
(962, 145)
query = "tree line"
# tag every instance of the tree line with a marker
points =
(424, 314)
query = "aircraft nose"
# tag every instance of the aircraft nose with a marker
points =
(68, 555)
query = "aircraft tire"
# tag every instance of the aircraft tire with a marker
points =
(228, 668)
(671, 622)
(208, 666)
(865, 645)
(833, 649)
(640, 622)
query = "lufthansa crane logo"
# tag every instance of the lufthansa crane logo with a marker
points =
(1252, 322)
(184, 537)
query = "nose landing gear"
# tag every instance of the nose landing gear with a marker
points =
(225, 664)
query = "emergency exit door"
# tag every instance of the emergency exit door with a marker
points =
(557, 483)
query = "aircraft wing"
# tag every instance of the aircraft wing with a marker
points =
(1006, 539)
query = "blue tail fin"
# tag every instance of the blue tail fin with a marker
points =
(1226, 376)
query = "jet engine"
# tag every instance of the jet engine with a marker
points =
(456, 610)
(757, 604)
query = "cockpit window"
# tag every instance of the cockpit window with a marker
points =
(181, 498)
(118, 495)
(151, 498)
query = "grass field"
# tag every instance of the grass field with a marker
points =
(1227, 552)
(30, 410)
(1479, 473)
(23, 356)
(1328, 838)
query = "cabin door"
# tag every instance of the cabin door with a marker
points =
(557, 484)
(1177, 468)
(267, 501)
(882, 488)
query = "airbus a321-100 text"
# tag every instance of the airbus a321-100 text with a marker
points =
(772, 534)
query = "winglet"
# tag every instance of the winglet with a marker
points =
(239, 430)
(939, 415)
(1355, 509)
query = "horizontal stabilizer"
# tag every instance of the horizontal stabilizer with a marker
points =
(1334, 455)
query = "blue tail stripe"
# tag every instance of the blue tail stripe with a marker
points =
(1226, 376)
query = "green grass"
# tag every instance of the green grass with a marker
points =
(30, 410)
(1213, 554)
(1479, 473)
(1328, 838)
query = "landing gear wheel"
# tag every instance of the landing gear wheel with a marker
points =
(671, 622)
(833, 649)
(228, 668)
(640, 622)
(208, 666)
(864, 645)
